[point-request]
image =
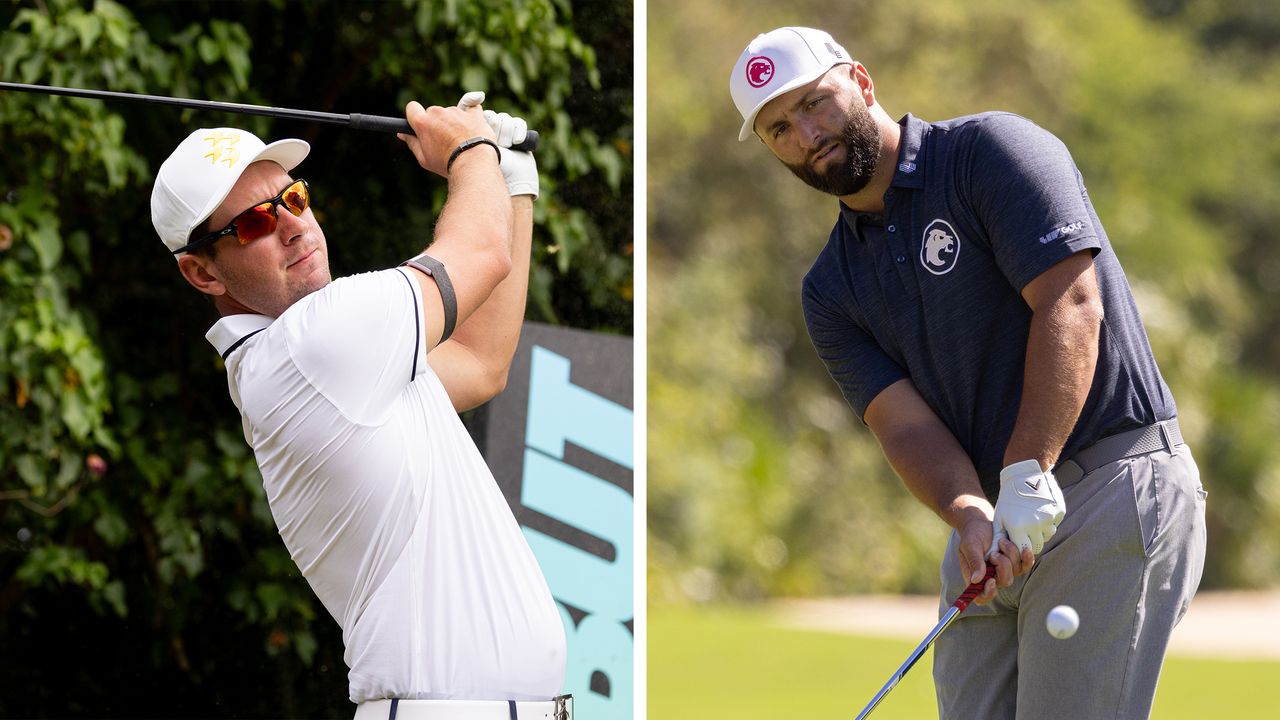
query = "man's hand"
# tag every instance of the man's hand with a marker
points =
(975, 539)
(1030, 506)
(438, 131)
(519, 169)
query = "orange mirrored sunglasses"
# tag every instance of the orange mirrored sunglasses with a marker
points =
(259, 220)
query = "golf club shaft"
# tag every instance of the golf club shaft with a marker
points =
(380, 123)
(957, 607)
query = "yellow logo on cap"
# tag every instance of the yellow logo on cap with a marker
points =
(219, 152)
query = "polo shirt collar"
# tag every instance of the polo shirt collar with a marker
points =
(910, 170)
(229, 330)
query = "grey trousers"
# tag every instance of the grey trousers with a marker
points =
(1128, 557)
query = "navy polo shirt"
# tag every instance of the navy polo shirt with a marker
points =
(930, 290)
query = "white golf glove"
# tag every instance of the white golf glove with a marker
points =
(1030, 506)
(471, 99)
(519, 168)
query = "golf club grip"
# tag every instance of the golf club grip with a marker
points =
(380, 123)
(974, 589)
(383, 123)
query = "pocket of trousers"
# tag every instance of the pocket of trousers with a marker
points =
(1146, 500)
(1173, 495)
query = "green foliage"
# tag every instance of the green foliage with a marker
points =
(753, 455)
(133, 522)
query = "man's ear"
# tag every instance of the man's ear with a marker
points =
(862, 79)
(201, 273)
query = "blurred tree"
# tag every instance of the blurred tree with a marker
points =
(761, 480)
(133, 526)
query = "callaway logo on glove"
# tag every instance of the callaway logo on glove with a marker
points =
(1030, 506)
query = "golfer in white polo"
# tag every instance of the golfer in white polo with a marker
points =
(349, 392)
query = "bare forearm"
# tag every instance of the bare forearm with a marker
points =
(937, 472)
(474, 363)
(1062, 354)
(936, 469)
(926, 455)
(473, 233)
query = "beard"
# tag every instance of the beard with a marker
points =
(860, 138)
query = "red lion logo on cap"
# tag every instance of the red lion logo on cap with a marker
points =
(759, 71)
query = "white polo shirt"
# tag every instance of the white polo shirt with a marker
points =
(384, 501)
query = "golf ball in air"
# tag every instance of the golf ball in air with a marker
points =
(1063, 622)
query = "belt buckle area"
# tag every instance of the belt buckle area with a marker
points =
(563, 708)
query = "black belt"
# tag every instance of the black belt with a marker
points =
(1164, 435)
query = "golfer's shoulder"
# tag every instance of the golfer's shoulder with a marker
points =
(992, 124)
(1007, 132)
(987, 148)
(987, 132)
(350, 307)
(355, 293)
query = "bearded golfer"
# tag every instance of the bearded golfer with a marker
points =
(970, 307)
(349, 392)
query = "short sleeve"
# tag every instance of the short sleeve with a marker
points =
(358, 341)
(859, 366)
(1029, 196)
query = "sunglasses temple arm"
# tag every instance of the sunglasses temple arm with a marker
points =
(383, 123)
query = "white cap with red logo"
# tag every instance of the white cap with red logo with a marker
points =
(779, 61)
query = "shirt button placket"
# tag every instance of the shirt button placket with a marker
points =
(900, 257)
(902, 253)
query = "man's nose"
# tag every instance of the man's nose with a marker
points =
(289, 227)
(809, 134)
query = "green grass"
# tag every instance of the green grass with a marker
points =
(737, 663)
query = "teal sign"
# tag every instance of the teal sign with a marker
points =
(560, 442)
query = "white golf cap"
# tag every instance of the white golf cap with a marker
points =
(779, 61)
(199, 174)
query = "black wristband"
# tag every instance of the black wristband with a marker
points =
(435, 269)
(467, 145)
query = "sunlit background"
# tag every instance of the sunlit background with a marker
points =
(762, 483)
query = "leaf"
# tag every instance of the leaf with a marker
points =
(608, 160)
(111, 527)
(37, 23)
(474, 77)
(46, 241)
(425, 19)
(78, 244)
(31, 68)
(305, 645)
(87, 27)
(29, 470)
(515, 74)
(77, 414)
(116, 29)
(68, 470)
(273, 598)
(208, 50)
(114, 594)
(540, 284)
